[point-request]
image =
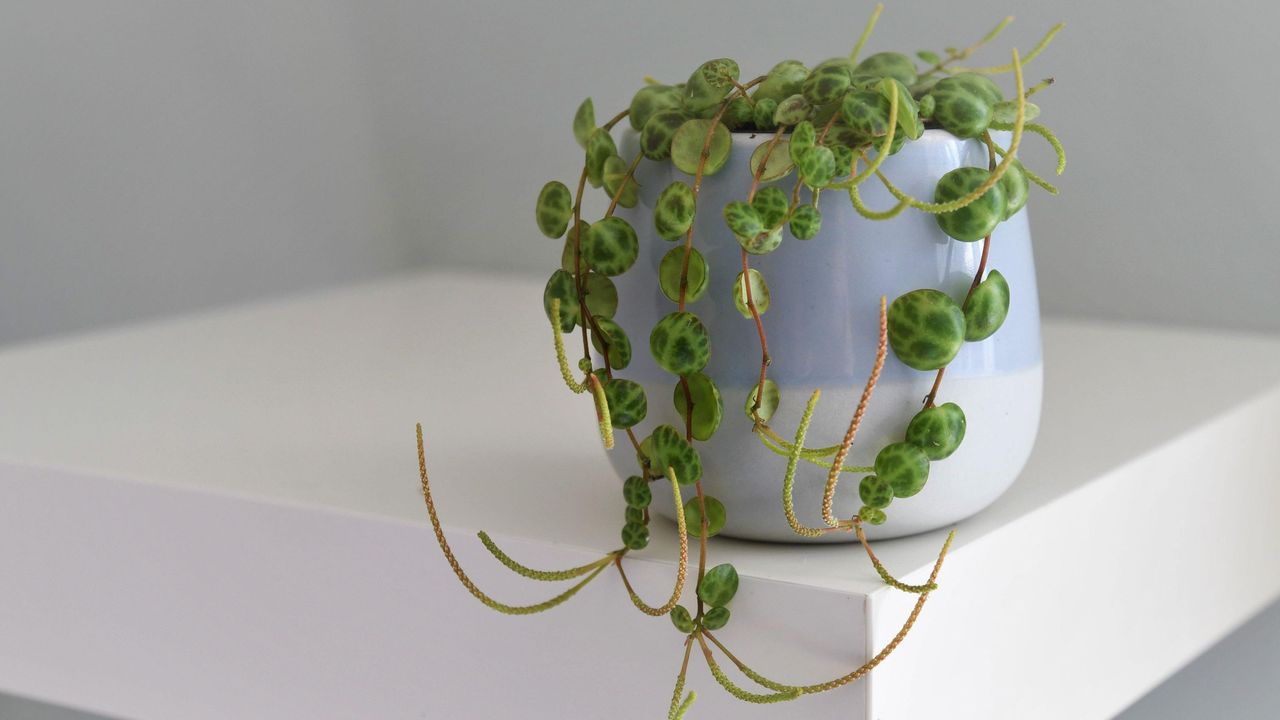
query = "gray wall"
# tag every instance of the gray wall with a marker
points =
(165, 155)
(160, 156)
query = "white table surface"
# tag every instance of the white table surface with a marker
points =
(218, 516)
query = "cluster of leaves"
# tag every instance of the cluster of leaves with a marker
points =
(823, 123)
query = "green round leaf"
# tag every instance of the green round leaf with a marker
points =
(908, 111)
(1015, 187)
(668, 449)
(828, 81)
(803, 137)
(584, 122)
(762, 243)
(875, 492)
(627, 402)
(610, 246)
(866, 112)
(843, 158)
(759, 293)
(652, 99)
(875, 516)
(636, 492)
(635, 536)
(680, 343)
(743, 219)
(708, 85)
(777, 166)
(977, 219)
(792, 110)
(1007, 112)
(617, 341)
(602, 296)
(659, 130)
(687, 144)
(771, 205)
(888, 64)
(673, 212)
(904, 466)
(986, 307)
(669, 270)
(817, 166)
(783, 81)
(806, 222)
(769, 400)
(681, 619)
(600, 147)
(938, 431)
(693, 516)
(980, 85)
(634, 515)
(929, 56)
(718, 585)
(926, 329)
(964, 104)
(708, 407)
(561, 287)
(555, 209)
(739, 114)
(766, 111)
(615, 174)
(716, 618)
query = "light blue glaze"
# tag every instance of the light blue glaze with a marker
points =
(822, 328)
(823, 321)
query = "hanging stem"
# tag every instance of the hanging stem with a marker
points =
(866, 667)
(457, 567)
(681, 569)
(882, 571)
(828, 495)
(866, 32)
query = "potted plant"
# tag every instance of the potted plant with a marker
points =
(855, 227)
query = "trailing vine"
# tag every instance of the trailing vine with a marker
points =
(832, 126)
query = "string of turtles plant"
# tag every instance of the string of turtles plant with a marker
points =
(831, 126)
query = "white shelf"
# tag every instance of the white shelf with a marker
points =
(218, 516)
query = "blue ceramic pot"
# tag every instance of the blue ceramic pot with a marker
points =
(822, 329)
